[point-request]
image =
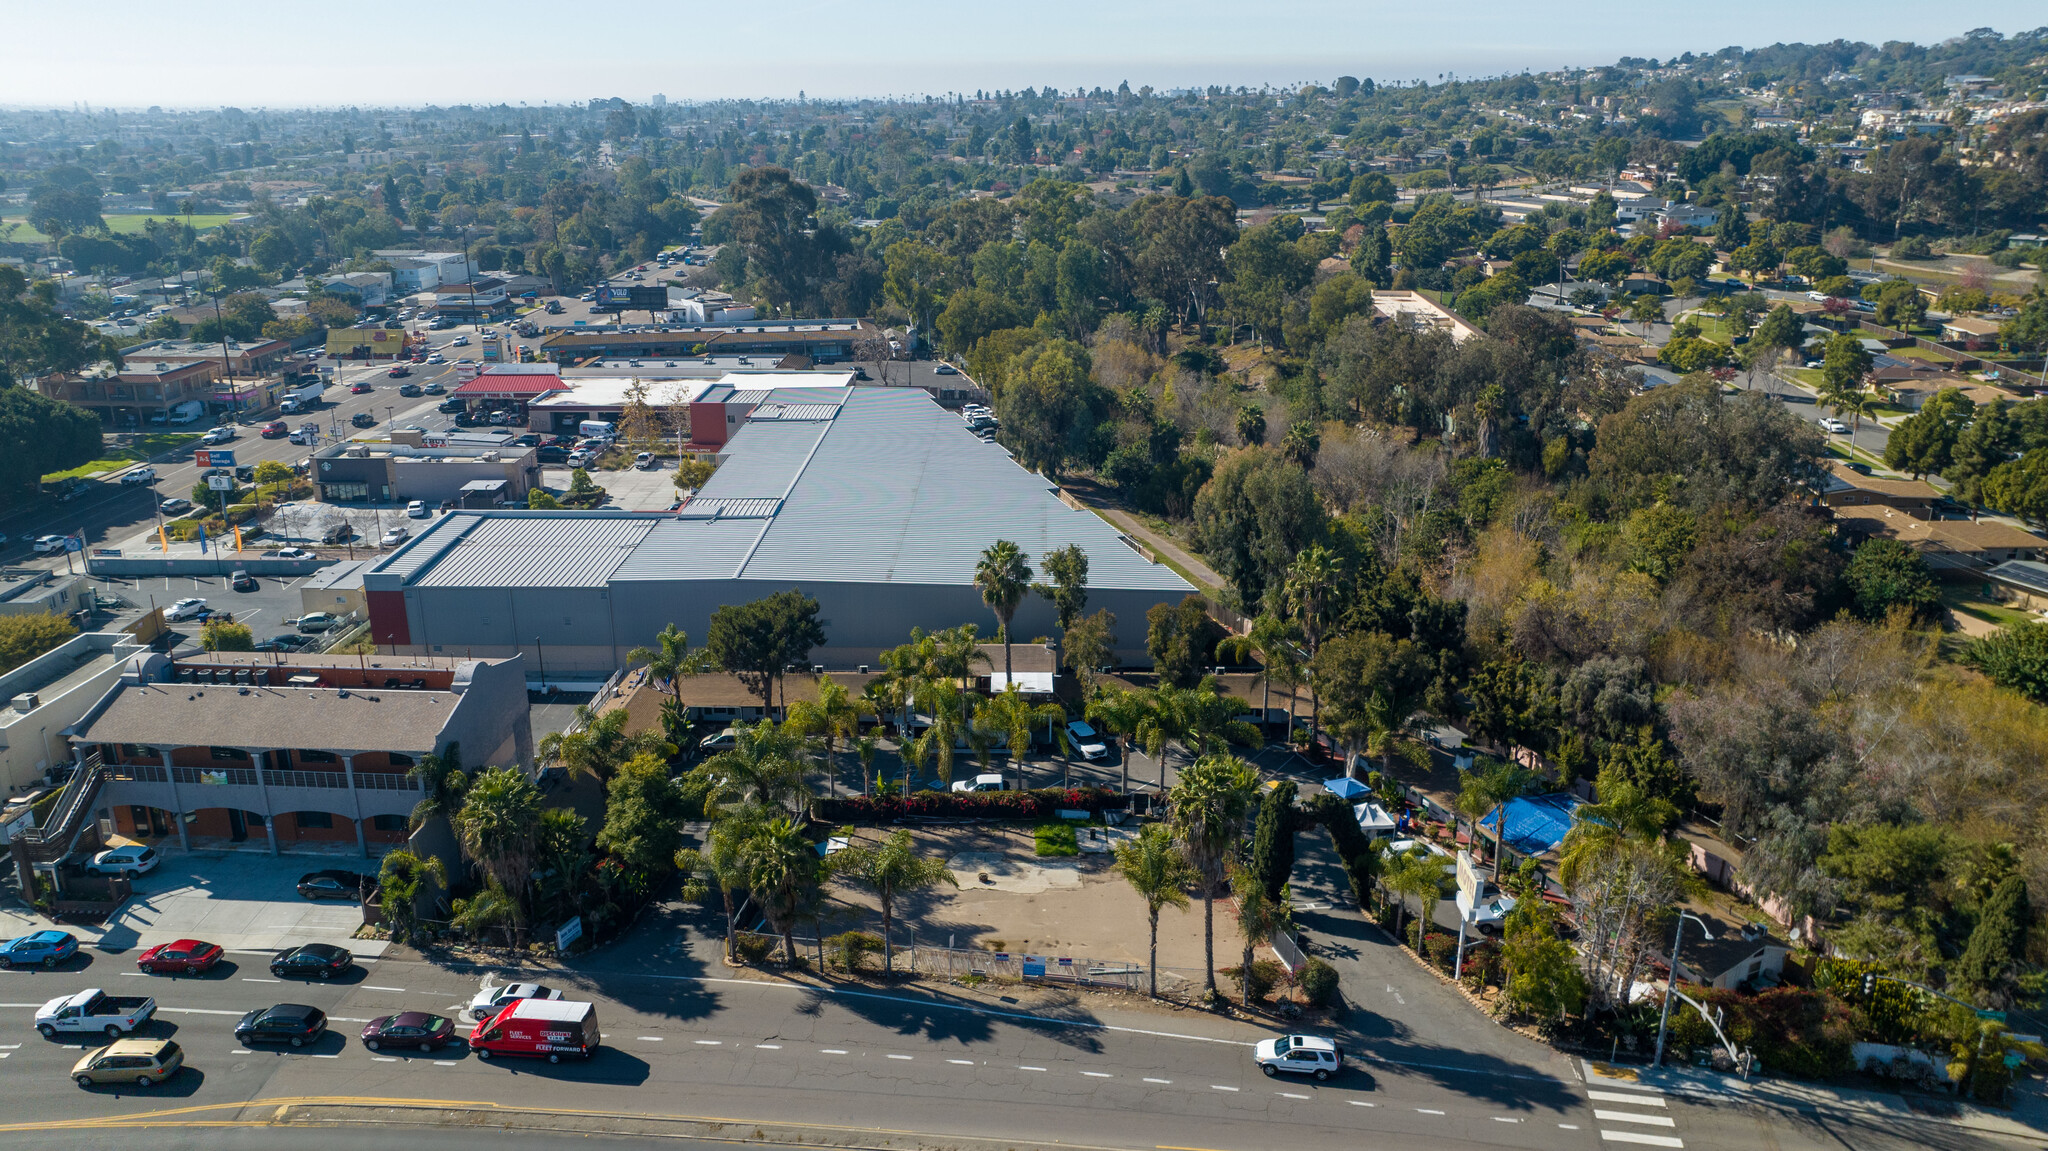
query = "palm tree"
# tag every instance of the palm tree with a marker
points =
(783, 871)
(1124, 714)
(1017, 718)
(764, 767)
(723, 861)
(401, 881)
(890, 869)
(1273, 638)
(1209, 805)
(1383, 725)
(496, 827)
(833, 716)
(1499, 783)
(442, 784)
(1155, 870)
(949, 711)
(672, 660)
(1002, 578)
(1625, 813)
(1310, 582)
(1421, 876)
(1258, 916)
(489, 908)
(865, 748)
(596, 744)
(561, 862)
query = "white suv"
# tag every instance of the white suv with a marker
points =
(1301, 1054)
(1085, 742)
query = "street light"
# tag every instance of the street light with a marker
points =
(1671, 980)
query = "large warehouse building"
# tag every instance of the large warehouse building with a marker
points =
(876, 501)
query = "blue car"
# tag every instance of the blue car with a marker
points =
(48, 948)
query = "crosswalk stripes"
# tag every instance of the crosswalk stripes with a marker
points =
(1626, 1126)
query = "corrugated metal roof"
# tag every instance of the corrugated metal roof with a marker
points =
(749, 395)
(544, 551)
(692, 549)
(764, 460)
(899, 491)
(427, 546)
(808, 394)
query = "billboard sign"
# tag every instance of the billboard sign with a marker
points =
(214, 457)
(609, 297)
(365, 341)
(640, 299)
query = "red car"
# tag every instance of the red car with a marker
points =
(186, 956)
(274, 429)
(360, 388)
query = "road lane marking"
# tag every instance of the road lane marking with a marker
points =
(902, 1057)
(326, 1056)
(251, 979)
(374, 987)
(217, 1011)
(769, 1046)
(241, 1051)
(1098, 1074)
(1362, 1103)
(710, 1042)
(1221, 1087)
(333, 1018)
(962, 1062)
(831, 1050)
(1020, 1066)
(648, 1038)
(1428, 1111)
(1158, 1080)
(1568, 1127)
(1505, 1119)
(1645, 1140)
(1631, 1100)
(382, 1059)
(1291, 1095)
(1632, 1117)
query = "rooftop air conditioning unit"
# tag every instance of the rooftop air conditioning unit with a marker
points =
(27, 701)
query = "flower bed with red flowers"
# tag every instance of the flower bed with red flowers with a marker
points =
(1037, 805)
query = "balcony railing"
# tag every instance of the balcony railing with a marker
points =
(246, 777)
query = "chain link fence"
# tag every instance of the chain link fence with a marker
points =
(961, 963)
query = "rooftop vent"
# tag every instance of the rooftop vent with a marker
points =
(27, 701)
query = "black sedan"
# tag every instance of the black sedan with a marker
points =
(336, 885)
(312, 960)
(409, 1029)
(293, 1023)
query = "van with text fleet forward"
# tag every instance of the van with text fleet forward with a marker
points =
(544, 1028)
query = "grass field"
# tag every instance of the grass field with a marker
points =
(126, 225)
(144, 447)
(1962, 598)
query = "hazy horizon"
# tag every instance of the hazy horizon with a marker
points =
(129, 56)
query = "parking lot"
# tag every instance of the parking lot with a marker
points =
(244, 900)
(635, 490)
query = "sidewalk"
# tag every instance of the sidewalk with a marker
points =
(2028, 1118)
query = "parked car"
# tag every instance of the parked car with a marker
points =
(1088, 745)
(980, 783)
(217, 435)
(393, 537)
(1830, 423)
(491, 1000)
(289, 554)
(188, 608)
(722, 741)
(333, 884)
(129, 860)
(314, 960)
(94, 1011)
(241, 580)
(48, 948)
(293, 1023)
(450, 406)
(409, 1029)
(175, 506)
(645, 461)
(189, 956)
(142, 1062)
(1299, 1054)
(286, 641)
(140, 476)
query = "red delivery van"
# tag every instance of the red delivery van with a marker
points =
(541, 1027)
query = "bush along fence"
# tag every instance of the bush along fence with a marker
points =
(1038, 804)
(860, 952)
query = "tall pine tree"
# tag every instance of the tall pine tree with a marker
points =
(1996, 945)
(1273, 839)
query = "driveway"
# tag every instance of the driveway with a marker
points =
(244, 901)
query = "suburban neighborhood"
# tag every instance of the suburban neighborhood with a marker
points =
(1492, 611)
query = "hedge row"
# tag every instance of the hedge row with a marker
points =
(1038, 804)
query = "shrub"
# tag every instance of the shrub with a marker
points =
(1319, 982)
(1056, 839)
(851, 948)
(754, 950)
(1266, 974)
(1033, 805)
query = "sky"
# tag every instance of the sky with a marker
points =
(380, 53)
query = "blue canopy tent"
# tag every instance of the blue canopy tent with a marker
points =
(1346, 787)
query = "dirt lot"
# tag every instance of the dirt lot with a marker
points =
(1078, 907)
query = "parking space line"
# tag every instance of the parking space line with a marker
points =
(251, 979)
(382, 1059)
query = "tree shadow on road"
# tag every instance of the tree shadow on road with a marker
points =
(939, 1015)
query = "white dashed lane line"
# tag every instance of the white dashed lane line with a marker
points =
(1098, 1074)
(1158, 1080)
(768, 1046)
(1023, 1067)
(1428, 1111)
(1221, 1087)
(649, 1038)
(374, 987)
(961, 1062)
(831, 1051)
(1291, 1095)
(710, 1043)
(903, 1057)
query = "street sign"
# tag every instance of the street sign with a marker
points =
(1468, 877)
(74, 544)
(221, 483)
(214, 457)
(568, 933)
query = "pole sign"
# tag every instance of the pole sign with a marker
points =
(214, 457)
(1468, 878)
(221, 483)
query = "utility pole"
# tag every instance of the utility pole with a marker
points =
(1671, 979)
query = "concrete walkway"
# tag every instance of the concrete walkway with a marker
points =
(1097, 501)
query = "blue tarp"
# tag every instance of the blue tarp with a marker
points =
(1345, 787)
(1535, 823)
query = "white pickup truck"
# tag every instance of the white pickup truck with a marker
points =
(95, 1010)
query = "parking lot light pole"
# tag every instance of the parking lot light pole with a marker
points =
(1671, 978)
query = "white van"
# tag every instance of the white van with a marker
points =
(598, 429)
